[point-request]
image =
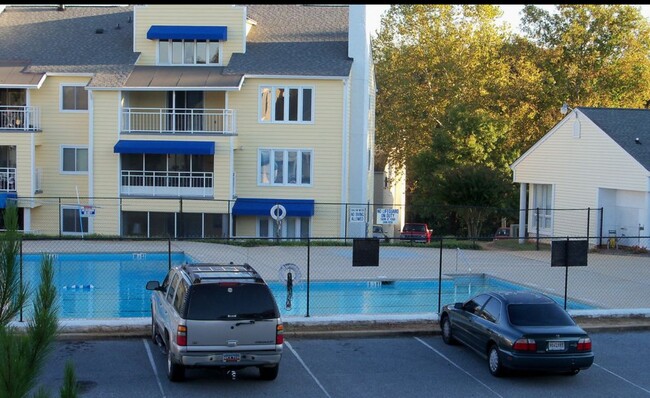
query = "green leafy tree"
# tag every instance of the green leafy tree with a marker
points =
(24, 352)
(471, 192)
(596, 54)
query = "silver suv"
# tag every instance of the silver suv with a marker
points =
(216, 315)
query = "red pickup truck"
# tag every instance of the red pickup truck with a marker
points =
(418, 232)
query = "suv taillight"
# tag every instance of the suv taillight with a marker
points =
(181, 335)
(584, 344)
(279, 334)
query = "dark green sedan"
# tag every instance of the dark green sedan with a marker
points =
(518, 330)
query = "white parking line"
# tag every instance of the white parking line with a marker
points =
(622, 378)
(306, 368)
(153, 366)
(461, 369)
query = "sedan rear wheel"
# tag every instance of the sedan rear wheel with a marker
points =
(494, 362)
(447, 334)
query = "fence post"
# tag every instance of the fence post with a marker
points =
(537, 231)
(308, 269)
(600, 241)
(588, 216)
(440, 276)
(21, 274)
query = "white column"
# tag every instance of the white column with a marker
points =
(522, 212)
(646, 228)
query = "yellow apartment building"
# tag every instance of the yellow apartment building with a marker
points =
(188, 120)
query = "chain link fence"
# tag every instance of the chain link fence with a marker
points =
(101, 278)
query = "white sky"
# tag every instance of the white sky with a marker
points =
(510, 13)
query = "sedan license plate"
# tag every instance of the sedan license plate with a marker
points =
(556, 345)
(231, 357)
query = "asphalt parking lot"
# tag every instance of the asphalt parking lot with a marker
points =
(389, 366)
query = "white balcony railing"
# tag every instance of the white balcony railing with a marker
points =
(179, 120)
(167, 183)
(20, 118)
(7, 179)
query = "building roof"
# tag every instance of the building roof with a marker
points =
(624, 126)
(66, 41)
(172, 77)
(287, 39)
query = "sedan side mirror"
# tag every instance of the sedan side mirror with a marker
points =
(458, 306)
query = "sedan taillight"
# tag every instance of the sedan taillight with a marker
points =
(525, 345)
(181, 335)
(279, 334)
(584, 344)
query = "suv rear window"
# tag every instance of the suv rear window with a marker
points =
(538, 315)
(231, 301)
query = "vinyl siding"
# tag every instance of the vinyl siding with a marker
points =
(232, 16)
(323, 137)
(106, 167)
(59, 128)
(577, 167)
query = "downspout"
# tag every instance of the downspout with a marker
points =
(231, 183)
(344, 153)
(27, 212)
(91, 157)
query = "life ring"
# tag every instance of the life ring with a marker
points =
(289, 268)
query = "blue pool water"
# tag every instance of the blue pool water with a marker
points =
(112, 285)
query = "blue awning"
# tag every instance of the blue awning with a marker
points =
(6, 195)
(262, 207)
(165, 147)
(161, 32)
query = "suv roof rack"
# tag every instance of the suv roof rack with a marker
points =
(199, 272)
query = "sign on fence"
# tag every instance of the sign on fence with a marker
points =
(357, 214)
(365, 252)
(87, 211)
(569, 253)
(387, 216)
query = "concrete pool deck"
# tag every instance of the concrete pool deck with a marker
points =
(618, 282)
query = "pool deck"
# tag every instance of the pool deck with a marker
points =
(629, 273)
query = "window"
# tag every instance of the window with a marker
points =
(72, 222)
(286, 104)
(492, 310)
(189, 52)
(292, 227)
(474, 305)
(542, 200)
(74, 98)
(284, 167)
(74, 159)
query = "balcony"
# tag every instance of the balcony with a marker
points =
(20, 118)
(7, 179)
(167, 183)
(178, 121)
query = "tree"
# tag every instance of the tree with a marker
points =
(23, 353)
(471, 192)
(597, 55)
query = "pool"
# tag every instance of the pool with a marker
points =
(112, 285)
(390, 297)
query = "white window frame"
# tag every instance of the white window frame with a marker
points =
(76, 149)
(76, 86)
(272, 225)
(77, 209)
(285, 167)
(542, 197)
(207, 52)
(267, 104)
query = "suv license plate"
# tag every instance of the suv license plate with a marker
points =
(231, 357)
(556, 345)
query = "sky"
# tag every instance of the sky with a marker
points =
(510, 13)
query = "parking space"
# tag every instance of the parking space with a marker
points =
(405, 366)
